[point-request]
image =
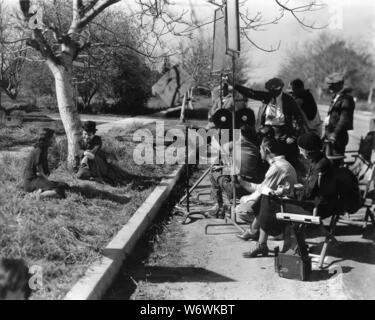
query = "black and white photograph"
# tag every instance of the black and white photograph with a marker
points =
(187, 155)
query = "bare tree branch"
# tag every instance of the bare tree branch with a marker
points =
(309, 7)
(90, 15)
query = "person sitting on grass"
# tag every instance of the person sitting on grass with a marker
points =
(93, 160)
(280, 180)
(90, 146)
(14, 279)
(36, 172)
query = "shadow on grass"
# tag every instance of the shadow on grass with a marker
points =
(90, 192)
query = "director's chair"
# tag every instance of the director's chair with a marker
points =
(303, 213)
(360, 163)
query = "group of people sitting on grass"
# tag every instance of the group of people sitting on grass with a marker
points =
(300, 166)
(92, 164)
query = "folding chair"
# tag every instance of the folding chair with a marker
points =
(364, 169)
(306, 213)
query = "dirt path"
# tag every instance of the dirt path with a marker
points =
(191, 265)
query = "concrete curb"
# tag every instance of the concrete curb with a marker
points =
(100, 275)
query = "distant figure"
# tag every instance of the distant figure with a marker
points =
(340, 114)
(14, 280)
(36, 172)
(308, 106)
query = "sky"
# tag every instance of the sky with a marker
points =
(353, 20)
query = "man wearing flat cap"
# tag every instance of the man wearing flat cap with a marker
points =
(340, 114)
(279, 115)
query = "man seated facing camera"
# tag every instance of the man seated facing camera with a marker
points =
(14, 280)
(250, 171)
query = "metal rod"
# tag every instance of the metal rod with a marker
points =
(187, 169)
(195, 185)
(233, 213)
(230, 224)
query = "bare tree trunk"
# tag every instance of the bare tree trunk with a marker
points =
(370, 95)
(68, 111)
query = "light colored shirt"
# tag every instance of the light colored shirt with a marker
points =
(274, 113)
(280, 172)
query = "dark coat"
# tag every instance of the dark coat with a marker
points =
(307, 103)
(341, 114)
(321, 186)
(290, 110)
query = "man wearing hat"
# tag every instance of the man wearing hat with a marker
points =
(279, 115)
(340, 115)
(90, 146)
(306, 102)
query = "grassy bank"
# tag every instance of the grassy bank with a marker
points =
(65, 236)
(26, 135)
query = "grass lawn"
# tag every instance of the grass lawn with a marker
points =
(65, 236)
(26, 135)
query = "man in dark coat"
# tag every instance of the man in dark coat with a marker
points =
(306, 102)
(249, 172)
(340, 114)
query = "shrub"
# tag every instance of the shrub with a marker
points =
(47, 102)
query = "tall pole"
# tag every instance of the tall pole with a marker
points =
(234, 177)
(187, 168)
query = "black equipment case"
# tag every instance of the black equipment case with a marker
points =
(291, 265)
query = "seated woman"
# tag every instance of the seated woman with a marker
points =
(36, 172)
(93, 160)
(280, 179)
(320, 184)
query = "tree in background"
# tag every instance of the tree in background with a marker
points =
(113, 66)
(60, 41)
(12, 55)
(313, 61)
(195, 57)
